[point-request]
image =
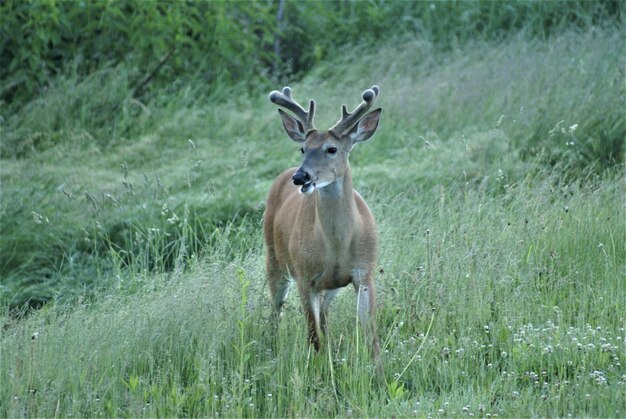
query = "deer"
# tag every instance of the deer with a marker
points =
(318, 230)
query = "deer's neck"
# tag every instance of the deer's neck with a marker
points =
(335, 209)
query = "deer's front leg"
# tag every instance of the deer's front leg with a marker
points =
(311, 302)
(366, 306)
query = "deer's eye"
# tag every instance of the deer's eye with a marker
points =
(331, 150)
(302, 150)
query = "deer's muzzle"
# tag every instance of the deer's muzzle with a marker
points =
(303, 179)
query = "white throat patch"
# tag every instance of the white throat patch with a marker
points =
(308, 188)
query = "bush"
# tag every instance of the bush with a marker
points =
(173, 41)
(183, 40)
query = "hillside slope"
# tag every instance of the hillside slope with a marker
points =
(496, 178)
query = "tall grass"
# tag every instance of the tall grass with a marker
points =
(502, 258)
(491, 304)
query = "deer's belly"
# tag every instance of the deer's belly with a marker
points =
(324, 266)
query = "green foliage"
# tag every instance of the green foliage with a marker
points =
(130, 216)
(172, 42)
(329, 28)
(211, 41)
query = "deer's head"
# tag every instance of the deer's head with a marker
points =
(325, 153)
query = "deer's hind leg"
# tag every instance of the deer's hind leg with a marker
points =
(277, 281)
(329, 296)
(278, 286)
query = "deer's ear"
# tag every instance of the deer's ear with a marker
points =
(293, 127)
(366, 127)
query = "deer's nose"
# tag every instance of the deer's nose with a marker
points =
(301, 177)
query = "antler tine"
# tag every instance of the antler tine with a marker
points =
(284, 100)
(349, 119)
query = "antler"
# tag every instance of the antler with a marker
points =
(284, 99)
(348, 120)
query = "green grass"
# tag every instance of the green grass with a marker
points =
(525, 300)
(497, 182)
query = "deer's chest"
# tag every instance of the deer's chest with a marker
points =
(329, 261)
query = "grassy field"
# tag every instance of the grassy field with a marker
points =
(497, 181)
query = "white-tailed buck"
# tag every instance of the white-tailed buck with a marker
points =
(318, 230)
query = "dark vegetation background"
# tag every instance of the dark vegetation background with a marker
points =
(174, 42)
(148, 53)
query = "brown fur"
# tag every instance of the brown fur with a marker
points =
(327, 239)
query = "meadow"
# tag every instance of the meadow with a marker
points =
(133, 261)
